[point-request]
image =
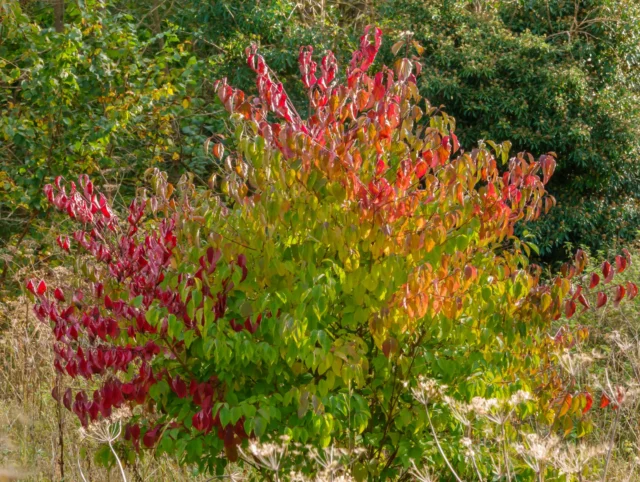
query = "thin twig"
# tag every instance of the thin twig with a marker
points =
(435, 437)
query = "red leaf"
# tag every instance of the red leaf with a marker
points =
(66, 399)
(58, 294)
(420, 169)
(589, 403)
(595, 279)
(602, 299)
(106, 212)
(237, 327)
(583, 301)
(31, 287)
(632, 290)
(604, 401)
(179, 387)
(621, 264)
(620, 292)
(48, 191)
(135, 432)
(42, 288)
(607, 271)
(569, 308)
(63, 242)
(242, 260)
(128, 388)
(577, 293)
(200, 421)
(150, 437)
(251, 327)
(54, 393)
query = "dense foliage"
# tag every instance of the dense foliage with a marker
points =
(99, 99)
(335, 262)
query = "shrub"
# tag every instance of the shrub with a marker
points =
(335, 261)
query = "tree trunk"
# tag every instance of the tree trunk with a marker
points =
(58, 15)
(156, 23)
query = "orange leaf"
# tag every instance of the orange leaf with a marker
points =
(218, 150)
(566, 405)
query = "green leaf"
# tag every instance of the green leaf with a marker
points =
(259, 426)
(189, 335)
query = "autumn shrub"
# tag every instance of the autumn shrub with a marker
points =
(335, 266)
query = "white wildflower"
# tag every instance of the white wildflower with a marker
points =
(459, 410)
(421, 475)
(572, 459)
(537, 452)
(427, 389)
(519, 397)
